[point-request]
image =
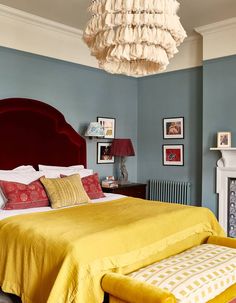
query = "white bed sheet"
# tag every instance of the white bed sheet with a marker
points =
(9, 213)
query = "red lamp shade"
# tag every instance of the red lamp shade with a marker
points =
(122, 148)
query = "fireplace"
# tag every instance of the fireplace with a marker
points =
(232, 208)
(226, 189)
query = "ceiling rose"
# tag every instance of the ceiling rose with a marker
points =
(134, 37)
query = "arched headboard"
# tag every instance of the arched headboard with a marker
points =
(33, 132)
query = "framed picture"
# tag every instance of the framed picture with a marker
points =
(173, 154)
(103, 153)
(109, 125)
(173, 128)
(223, 139)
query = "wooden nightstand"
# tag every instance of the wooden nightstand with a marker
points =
(137, 190)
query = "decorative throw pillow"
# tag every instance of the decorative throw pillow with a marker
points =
(20, 196)
(66, 191)
(92, 186)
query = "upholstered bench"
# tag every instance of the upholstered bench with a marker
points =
(202, 274)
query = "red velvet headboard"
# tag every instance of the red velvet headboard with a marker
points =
(33, 132)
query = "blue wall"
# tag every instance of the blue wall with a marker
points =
(219, 114)
(175, 94)
(80, 93)
(205, 97)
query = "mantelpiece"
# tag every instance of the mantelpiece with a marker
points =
(228, 156)
(226, 169)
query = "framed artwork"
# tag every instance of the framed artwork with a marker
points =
(103, 153)
(173, 128)
(173, 154)
(223, 139)
(109, 125)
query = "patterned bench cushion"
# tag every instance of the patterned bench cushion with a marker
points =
(196, 275)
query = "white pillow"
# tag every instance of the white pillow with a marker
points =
(50, 167)
(85, 172)
(3, 199)
(24, 177)
(24, 168)
(67, 172)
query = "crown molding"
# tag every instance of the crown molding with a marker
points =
(189, 55)
(18, 15)
(192, 38)
(26, 32)
(30, 33)
(216, 27)
(218, 39)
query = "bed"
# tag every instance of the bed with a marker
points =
(61, 255)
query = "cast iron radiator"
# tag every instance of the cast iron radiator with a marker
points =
(169, 191)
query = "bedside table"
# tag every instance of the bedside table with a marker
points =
(137, 190)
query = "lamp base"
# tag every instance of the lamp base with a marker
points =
(123, 171)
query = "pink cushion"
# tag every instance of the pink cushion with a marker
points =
(20, 196)
(92, 186)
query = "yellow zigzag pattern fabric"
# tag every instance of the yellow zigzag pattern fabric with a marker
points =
(196, 275)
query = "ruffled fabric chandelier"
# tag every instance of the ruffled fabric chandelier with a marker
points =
(134, 37)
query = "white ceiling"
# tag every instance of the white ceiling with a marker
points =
(193, 13)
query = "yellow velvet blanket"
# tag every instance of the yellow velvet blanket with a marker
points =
(61, 256)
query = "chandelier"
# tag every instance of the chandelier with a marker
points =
(134, 37)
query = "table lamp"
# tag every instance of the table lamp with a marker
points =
(94, 130)
(122, 148)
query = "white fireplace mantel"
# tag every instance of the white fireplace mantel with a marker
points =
(226, 168)
(228, 156)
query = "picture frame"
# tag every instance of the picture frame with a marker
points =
(173, 155)
(173, 128)
(109, 126)
(223, 139)
(103, 153)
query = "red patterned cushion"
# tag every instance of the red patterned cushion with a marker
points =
(20, 196)
(92, 186)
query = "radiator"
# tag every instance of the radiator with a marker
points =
(169, 191)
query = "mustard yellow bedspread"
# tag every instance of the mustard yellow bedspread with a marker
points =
(61, 256)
